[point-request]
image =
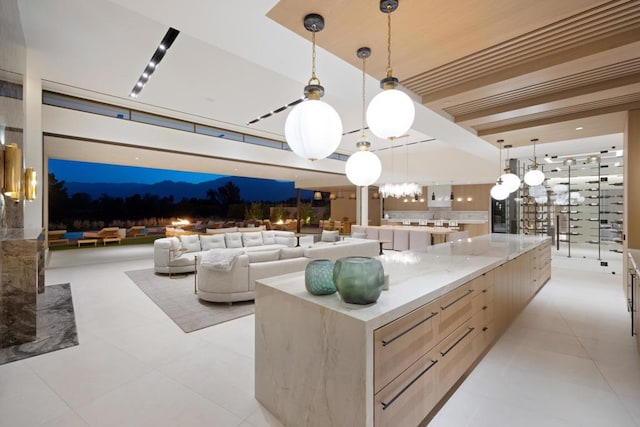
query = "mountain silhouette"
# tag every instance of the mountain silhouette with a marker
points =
(251, 189)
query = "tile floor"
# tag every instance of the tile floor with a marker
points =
(568, 359)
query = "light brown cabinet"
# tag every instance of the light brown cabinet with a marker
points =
(419, 357)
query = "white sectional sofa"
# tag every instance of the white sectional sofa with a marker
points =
(238, 282)
(177, 254)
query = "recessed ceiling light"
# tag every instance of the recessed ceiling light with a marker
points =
(579, 128)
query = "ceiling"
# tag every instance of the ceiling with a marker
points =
(515, 70)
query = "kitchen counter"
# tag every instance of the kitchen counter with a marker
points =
(314, 354)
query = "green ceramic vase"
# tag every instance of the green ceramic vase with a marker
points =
(359, 280)
(318, 277)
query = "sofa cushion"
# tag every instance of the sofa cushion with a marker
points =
(190, 243)
(286, 253)
(269, 237)
(222, 230)
(252, 239)
(175, 243)
(263, 256)
(214, 241)
(286, 241)
(233, 240)
(330, 236)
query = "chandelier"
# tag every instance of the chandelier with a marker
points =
(313, 128)
(406, 189)
(534, 176)
(402, 190)
(363, 167)
(500, 191)
(391, 112)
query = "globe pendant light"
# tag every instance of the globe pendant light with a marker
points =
(391, 112)
(510, 180)
(534, 176)
(313, 128)
(363, 167)
(499, 191)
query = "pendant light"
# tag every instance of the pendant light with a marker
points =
(500, 191)
(534, 176)
(363, 167)
(391, 112)
(313, 128)
(510, 180)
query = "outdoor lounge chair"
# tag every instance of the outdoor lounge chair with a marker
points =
(135, 231)
(107, 234)
(55, 237)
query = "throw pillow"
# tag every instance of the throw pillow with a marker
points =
(190, 243)
(269, 237)
(252, 239)
(287, 241)
(263, 256)
(214, 241)
(287, 253)
(330, 236)
(233, 240)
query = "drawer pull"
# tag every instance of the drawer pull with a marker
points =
(485, 307)
(457, 342)
(484, 291)
(456, 300)
(405, 388)
(485, 329)
(387, 342)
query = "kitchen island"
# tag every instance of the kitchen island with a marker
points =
(322, 362)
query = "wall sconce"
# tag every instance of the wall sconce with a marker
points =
(459, 199)
(317, 195)
(12, 171)
(352, 196)
(469, 199)
(30, 184)
(375, 195)
(332, 196)
(13, 181)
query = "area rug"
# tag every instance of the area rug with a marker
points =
(55, 325)
(175, 296)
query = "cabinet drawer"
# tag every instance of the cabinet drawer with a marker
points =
(482, 282)
(483, 316)
(483, 298)
(456, 356)
(455, 307)
(484, 338)
(410, 397)
(400, 343)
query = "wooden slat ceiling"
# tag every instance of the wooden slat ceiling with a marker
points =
(508, 69)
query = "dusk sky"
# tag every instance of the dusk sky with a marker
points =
(72, 171)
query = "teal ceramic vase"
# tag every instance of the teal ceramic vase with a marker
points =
(318, 277)
(359, 280)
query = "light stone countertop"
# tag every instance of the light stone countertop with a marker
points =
(635, 258)
(417, 277)
(21, 234)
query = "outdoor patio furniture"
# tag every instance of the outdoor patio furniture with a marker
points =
(136, 231)
(55, 237)
(109, 233)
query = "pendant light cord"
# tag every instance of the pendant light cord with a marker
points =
(364, 65)
(313, 56)
(389, 70)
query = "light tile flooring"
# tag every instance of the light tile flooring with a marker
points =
(568, 360)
